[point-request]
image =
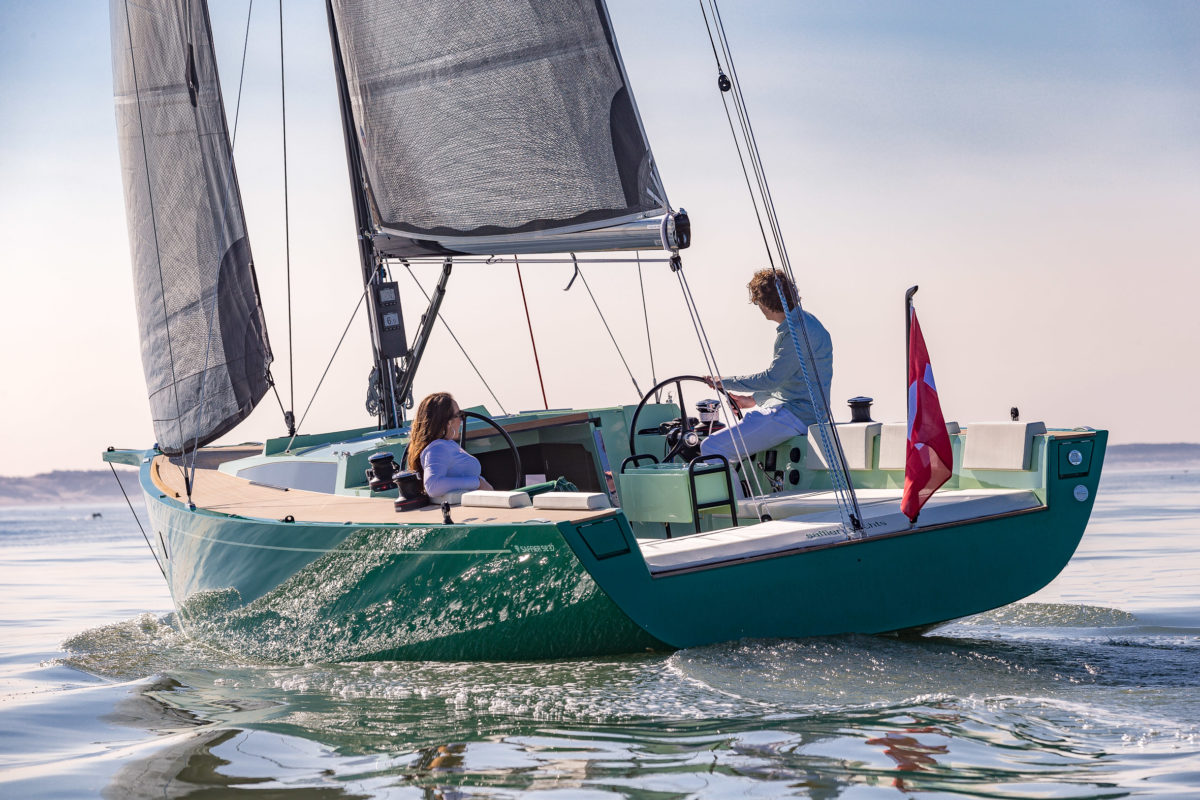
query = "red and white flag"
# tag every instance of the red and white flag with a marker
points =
(928, 460)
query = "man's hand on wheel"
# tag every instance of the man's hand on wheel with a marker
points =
(743, 401)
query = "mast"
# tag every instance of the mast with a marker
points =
(391, 414)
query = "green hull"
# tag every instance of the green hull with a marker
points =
(334, 592)
(311, 592)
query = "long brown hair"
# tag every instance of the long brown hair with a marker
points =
(431, 422)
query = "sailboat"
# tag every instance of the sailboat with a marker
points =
(307, 547)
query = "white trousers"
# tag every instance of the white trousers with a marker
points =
(759, 429)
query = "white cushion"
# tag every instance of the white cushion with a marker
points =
(795, 504)
(571, 501)
(893, 443)
(1000, 445)
(858, 443)
(483, 498)
(825, 527)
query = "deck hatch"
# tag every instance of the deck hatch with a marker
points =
(604, 538)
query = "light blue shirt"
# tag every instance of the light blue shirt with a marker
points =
(446, 467)
(782, 383)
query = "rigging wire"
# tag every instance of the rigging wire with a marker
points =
(154, 226)
(287, 237)
(579, 273)
(839, 473)
(710, 362)
(445, 324)
(830, 441)
(346, 330)
(529, 322)
(276, 392)
(241, 75)
(646, 317)
(129, 503)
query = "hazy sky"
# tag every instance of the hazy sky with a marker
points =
(1034, 166)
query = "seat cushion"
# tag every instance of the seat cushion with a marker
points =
(858, 443)
(571, 501)
(483, 498)
(1000, 445)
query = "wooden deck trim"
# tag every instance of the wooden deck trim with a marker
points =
(227, 494)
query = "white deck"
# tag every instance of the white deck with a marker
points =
(881, 515)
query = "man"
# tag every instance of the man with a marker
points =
(779, 406)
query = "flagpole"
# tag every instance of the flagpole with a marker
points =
(908, 296)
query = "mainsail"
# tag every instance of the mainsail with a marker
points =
(204, 344)
(496, 127)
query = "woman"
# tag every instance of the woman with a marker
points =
(433, 451)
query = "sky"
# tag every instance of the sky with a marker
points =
(1033, 166)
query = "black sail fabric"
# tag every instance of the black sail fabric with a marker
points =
(507, 119)
(204, 344)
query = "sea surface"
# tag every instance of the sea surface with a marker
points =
(1089, 689)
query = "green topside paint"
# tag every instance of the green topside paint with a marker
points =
(308, 591)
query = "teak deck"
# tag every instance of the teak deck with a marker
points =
(226, 494)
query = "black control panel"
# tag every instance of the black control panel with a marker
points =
(389, 320)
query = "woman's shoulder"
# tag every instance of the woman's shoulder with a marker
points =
(438, 447)
(443, 445)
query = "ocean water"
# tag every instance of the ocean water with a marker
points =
(1089, 689)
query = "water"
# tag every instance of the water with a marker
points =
(1090, 689)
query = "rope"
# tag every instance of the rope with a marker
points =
(830, 443)
(457, 342)
(117, 478)
(839, 472)
(579, 273)
(287, 237)
(529, 322)
(154, 226)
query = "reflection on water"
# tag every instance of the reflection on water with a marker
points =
(1087, 690)
(1001, 716)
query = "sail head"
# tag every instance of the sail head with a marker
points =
(204, 345)
(489, 127)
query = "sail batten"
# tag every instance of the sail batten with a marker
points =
(504, 121)
(205, 352)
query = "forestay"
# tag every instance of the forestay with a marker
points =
(204, 345)
(492, 127)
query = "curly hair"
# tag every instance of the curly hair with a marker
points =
(763, 291)
(432, 422)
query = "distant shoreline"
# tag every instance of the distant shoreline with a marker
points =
(70, 487)
(97, 485)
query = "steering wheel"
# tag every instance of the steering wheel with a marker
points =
(687, 425)
(462, 437)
